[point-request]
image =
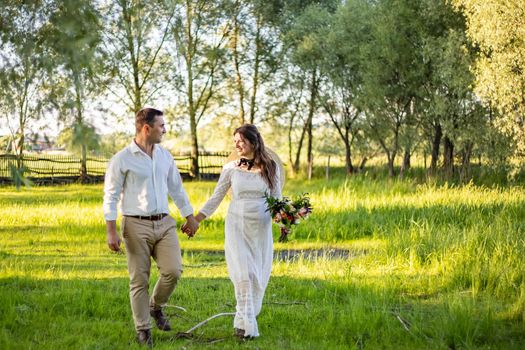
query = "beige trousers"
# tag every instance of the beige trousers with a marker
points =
(145, 239)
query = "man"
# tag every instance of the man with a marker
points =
(142, 175)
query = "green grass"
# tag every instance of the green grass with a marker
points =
(428, 267)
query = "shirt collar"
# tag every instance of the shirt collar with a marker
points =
(136, 149)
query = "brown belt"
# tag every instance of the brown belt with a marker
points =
(155, 217)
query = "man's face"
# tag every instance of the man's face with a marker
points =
(156, 131)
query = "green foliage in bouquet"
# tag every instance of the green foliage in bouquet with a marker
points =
(287, 212)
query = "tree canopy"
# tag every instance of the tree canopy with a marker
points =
(395, 78)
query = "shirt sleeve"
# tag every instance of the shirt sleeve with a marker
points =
(176, 190)
(223, 185)
(113, 184)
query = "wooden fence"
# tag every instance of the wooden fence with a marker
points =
(44, 169)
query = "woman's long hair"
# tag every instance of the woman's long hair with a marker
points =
(262, 158)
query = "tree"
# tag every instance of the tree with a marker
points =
(114, 142)
(134, 39)
(254, 51)
(23, 67)
(200, 33)
(496, 26)
(75, 70)
(448, 79)
(80, 136)
(452, 113)
(288, 107)
(341, 66)
(305, 39)
(392, 71)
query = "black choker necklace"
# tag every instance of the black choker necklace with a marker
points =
(248, 162)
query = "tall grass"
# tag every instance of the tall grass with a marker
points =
(427, 266)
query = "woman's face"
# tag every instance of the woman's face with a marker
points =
(243, 147)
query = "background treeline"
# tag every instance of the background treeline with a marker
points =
(436, 79)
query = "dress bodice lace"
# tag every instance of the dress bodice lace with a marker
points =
(243, 184)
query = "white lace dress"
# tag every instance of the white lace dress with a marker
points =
(248, 242)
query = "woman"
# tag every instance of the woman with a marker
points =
(248, 227)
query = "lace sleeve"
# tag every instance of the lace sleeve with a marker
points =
(276, 192)
(223, 185)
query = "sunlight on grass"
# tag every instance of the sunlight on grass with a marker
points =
(378, 263)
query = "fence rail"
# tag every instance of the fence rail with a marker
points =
(60, 168)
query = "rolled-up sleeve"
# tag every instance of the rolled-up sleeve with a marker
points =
(113, 183)
(177, 192)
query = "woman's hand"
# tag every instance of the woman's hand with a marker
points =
(200, 216)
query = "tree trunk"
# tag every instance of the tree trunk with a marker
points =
(83, 164)
(466, 156)
(22, 118)
(391, 169)
(391, 156)
(191, 106)
(327, 174)
(136, 89)
(194, 146)
(297, 163)
(309, 150)
(311, 110)
(362, 164)
(290, 128)
(448, 156)
(438, 134)
(80, 123)
(406, 162)
(257, 62)
(20, 150)
(348, 158)
(238, 80)
(307, 126)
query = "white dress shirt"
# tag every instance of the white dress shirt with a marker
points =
(142, 183)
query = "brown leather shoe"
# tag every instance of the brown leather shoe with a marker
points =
(160, 319)
(144, 338)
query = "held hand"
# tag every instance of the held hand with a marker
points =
(191, 226)
(184, 228)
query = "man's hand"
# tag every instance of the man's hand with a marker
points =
(113, 237)
(191, 226)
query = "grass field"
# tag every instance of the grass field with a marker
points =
(417, 267)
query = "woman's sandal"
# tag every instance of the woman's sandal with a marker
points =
(239, 333)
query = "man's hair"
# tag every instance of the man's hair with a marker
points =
(146, 116)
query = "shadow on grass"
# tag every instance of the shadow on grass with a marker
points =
(297, 314)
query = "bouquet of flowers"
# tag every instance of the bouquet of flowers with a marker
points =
(287, 212)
